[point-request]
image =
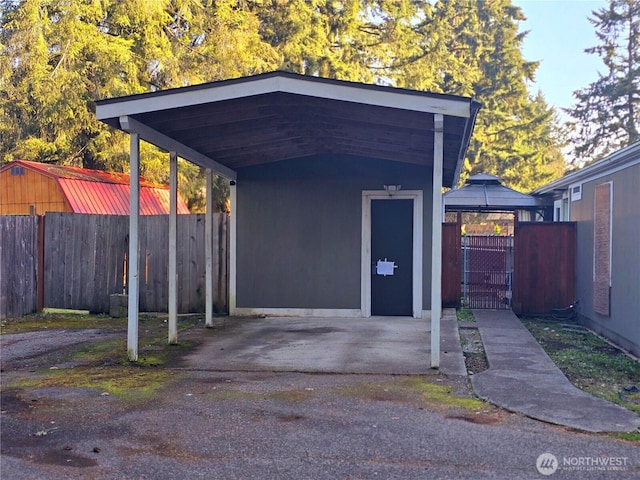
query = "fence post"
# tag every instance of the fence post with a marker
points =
(40, 264)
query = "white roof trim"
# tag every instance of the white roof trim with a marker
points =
(131, 125)
(332, 91)
(625, 158)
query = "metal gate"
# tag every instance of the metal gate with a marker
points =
(487, 271)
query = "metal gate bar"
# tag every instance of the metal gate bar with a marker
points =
(487, 271)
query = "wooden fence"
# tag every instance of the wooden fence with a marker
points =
(85, 261)
(544, 266)
(451, 264)
(18, 265)
(543, 273)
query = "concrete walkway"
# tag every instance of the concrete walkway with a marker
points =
(522, 378)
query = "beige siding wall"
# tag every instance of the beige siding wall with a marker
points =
(18, 193)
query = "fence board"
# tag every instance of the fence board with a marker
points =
(52, 276)
(71, 261)
(85, 258)
(154, 255)
(544, 266)
(222, 265)
(184, 273)
(451, 265)
(18, 265)
(87, 249)
(197, 265)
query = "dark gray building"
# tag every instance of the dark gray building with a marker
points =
(336, 186)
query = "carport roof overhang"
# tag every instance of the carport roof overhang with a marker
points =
(232, 124)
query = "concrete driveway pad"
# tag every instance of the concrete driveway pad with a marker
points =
(378, 345)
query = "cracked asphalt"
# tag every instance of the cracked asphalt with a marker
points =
(271, 425)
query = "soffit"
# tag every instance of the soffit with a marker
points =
(273, 117)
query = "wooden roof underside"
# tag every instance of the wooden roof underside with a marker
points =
(274, 124)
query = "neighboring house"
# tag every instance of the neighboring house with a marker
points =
(36, 188)
(604, 200)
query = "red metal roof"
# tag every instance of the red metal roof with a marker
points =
(107, 193)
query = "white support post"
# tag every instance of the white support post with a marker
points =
(134, 266)
(233, 248)
(173, 243)
(436, 242)
(208, 245)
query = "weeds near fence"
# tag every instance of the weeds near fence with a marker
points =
(590, 362)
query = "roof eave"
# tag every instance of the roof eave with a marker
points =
(108, 110)
(474, 108)
(627, 154)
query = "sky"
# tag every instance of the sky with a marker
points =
(558, 34)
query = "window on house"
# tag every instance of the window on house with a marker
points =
(561, 209)
(576, 192)
(17, 170)
(602, 248)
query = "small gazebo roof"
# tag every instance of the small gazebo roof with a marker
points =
(485, 192)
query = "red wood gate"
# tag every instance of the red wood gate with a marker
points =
(540, 277)
(544, 266)
(451, 264)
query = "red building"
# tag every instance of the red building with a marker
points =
(37, 188)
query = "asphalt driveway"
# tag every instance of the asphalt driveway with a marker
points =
(243, 425)
(63, 420)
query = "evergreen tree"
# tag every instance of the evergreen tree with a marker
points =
(607, 112)
(513, 137)
(58, 62)
(473, 49)
(57, 57)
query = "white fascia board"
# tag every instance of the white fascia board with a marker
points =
(331, 91)
(620, 160)
(379, 98)
(131, 125)
(604, 172)
(184, 98)
(585, 176)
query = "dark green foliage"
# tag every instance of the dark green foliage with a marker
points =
(607, 112)
(57, 57)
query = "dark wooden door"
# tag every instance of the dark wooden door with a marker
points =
(392, 242)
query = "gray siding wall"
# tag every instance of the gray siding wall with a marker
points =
(623, 326)
(299, 229)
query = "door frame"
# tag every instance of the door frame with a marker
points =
(365, 282)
